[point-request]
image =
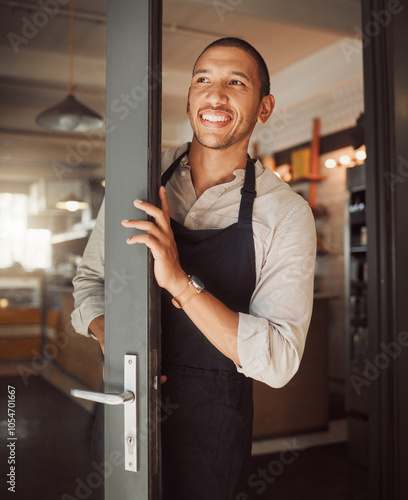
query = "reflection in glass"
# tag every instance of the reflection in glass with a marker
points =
(41, 356)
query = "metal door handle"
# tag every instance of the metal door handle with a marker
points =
(107, 399)
(128, 398)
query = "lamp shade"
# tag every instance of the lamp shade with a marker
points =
(69, 115)
(72, 203)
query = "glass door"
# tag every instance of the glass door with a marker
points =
(132, 314)
(133, 114)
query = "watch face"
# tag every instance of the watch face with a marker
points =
(197, 283)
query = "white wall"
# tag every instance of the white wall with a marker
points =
(327, 84)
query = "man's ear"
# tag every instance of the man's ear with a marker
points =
(188, 102)
(267, 105)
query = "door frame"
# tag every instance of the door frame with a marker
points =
(386, 130)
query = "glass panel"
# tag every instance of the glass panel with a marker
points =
(41, 356)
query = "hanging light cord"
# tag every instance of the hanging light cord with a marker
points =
(71, 48)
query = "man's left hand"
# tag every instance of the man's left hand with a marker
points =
(159, 238)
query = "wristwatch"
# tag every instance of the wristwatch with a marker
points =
(194, 287)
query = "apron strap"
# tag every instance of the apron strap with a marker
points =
(248, 192)
(170, 171)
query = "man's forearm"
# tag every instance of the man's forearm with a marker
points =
(97, 327)
(213, 318)
(217, 322)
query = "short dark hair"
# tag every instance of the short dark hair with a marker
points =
(238, 43)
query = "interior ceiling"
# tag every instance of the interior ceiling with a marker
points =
(34, 73)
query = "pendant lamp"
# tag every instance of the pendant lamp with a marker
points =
(70, 115)
(72, 203)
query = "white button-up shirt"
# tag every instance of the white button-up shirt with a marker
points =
(271, 338)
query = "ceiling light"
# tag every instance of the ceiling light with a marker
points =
(361, 155)
(345, 159)
(70, 115)
(4, 303)
(330, 163)
(357, 158)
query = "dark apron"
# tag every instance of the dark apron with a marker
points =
(207, 438)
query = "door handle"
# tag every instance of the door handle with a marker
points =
(107, 399)
(129, 398)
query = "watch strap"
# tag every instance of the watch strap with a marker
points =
(186, 295)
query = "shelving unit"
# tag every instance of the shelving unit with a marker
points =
(356, 317)
(308, 178)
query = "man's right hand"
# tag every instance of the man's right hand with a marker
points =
(97, 327)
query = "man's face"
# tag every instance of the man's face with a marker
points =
(224, 99)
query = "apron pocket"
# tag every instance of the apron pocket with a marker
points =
(193, 402)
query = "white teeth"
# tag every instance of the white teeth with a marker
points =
(214, 119)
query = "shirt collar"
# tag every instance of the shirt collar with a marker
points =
(239, 172)
(184, 162)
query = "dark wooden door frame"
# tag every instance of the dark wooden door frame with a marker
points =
(386, 131)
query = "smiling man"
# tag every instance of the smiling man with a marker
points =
(234, 251)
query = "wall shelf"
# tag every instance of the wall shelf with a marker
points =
(308, 178)
(361, 249)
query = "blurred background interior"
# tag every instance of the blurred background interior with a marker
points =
(314, 141)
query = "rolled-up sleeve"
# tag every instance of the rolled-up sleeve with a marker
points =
(89, 295)
(271, 338)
